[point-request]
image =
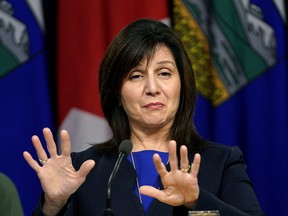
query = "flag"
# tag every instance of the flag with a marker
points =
(239, 53)
(24, 93)
(85, 28)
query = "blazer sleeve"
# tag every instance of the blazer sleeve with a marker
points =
(38, 211)
(236, 194)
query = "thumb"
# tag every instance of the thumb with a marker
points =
(150, 191)
(86, 167)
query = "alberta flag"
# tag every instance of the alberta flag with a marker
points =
(238, 50)
(25, 104)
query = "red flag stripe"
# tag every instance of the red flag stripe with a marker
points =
(85, 28)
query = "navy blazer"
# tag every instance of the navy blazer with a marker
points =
(224, 186)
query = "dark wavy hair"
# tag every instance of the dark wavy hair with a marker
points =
(136, 41)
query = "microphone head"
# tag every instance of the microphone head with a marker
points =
(125, 146)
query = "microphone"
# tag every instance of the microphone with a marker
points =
(125, 148)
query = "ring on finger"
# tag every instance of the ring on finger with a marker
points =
(43, 161)
(186, 170)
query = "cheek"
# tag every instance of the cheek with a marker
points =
(128, 96)
(175, 92)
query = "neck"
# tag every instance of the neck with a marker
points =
(150, 138)
(143, 141)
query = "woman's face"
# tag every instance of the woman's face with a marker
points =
(150, 93)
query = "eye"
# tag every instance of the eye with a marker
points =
(165, 74)
(135, 76)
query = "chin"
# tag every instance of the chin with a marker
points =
(155, 124)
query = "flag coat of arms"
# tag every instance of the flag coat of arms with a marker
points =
(238, 50)
(24, 92)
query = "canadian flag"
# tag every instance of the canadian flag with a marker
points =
(85, 29)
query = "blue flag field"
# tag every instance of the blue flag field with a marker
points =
(24, 94)
(239, 54)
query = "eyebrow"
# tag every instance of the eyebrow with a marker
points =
(159, 63)
(166, 62)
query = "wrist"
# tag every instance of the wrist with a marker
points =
(193, 200)
(52, 207)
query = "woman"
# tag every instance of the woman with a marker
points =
(148, 91)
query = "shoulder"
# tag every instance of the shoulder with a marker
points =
(8, 190)
(90, 153)
(92, 150)
(221, 162)
(6, 183)
(218, 153)
(217, 148)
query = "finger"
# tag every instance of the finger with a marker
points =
(51, 146)
(184, 162)
(150, 191)
(41, 153)
(172, 155)
(66, 144)
(86, 167)
(196, 165)
(160, 167)
(29, 159)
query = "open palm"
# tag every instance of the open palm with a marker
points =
(57, 175)
(180, 188)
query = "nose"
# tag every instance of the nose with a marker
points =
(151, 85)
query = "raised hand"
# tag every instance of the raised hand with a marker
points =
(56, 173)
(181, 183)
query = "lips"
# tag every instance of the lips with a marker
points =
(156, 105)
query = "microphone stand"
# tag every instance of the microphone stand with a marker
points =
(125, 148)
(108, 211)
